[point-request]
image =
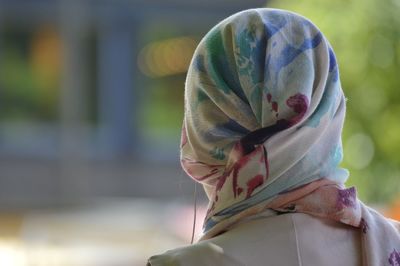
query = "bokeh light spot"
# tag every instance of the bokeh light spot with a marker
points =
(359, 150)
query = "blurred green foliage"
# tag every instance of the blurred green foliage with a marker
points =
(365, 35)
(161, 114)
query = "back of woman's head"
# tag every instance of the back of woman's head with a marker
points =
(264, 109)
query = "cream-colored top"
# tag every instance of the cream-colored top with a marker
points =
(288, 239)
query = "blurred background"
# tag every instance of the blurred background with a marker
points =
(91, 105)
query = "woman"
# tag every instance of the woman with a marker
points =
(264, 111)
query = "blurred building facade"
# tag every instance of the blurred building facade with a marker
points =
(91, 95)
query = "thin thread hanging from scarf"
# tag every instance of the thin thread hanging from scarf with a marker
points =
(194, 212)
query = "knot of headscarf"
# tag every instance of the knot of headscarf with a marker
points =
(264, 111)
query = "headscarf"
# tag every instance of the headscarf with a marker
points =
(264, 111)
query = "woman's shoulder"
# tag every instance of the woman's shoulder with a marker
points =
(199, 254)
(287, 239)
(229, 248)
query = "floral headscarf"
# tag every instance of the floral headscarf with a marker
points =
(264, 111)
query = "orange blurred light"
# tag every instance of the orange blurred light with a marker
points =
(166, 57)
(46, 57)
(394, 211)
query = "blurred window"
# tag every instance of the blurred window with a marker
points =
(30, 69)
